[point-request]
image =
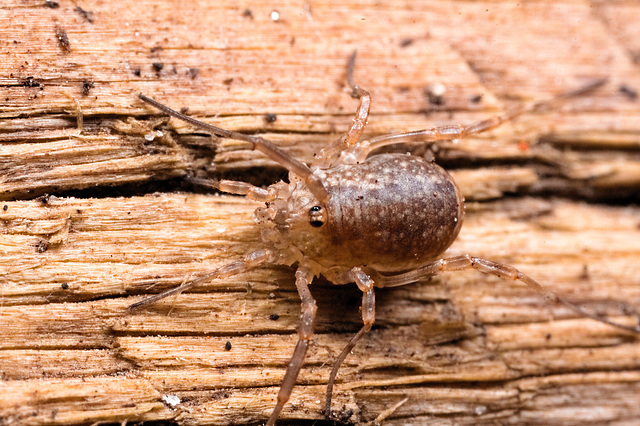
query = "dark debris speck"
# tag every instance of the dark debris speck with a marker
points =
(63, 39)
(42, 246)
(30, 82)
(192, 72)
(406, 42)
(86, 15)
(158, 66)
(86, 87)
(476, 99)
(628, 91)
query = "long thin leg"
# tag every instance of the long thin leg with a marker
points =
(304, 276)
(364, 283)
(238, 188)
(329, 156)
(449, 132)
(249, 261)
(266, 147)
(489, 267)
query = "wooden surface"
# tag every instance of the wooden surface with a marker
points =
(555, 194)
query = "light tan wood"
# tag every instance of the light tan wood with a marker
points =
(461, 348)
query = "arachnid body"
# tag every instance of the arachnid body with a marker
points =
(373, 220)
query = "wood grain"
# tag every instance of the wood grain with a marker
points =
(554, 194)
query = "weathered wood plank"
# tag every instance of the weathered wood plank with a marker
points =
(219, 61)
(461, 328)
(462, 348)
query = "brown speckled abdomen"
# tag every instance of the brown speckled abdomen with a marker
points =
(392, 212)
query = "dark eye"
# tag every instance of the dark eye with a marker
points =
(316, 216)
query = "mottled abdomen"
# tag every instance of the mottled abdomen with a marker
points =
(392, 212)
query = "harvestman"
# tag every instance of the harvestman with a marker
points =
(378, 221)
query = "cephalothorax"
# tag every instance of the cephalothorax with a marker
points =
(378, 221)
